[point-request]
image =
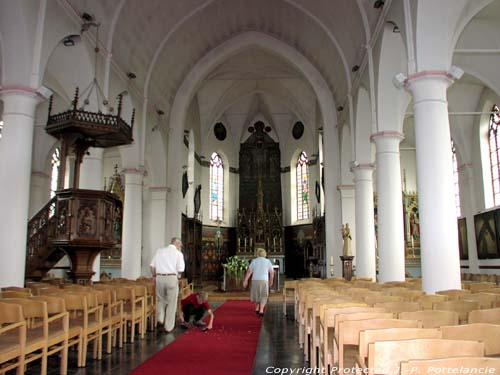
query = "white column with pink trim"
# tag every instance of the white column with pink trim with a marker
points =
(390, 242)
(365, 230)
(436, 198)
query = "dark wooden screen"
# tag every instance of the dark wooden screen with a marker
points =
(260, 156)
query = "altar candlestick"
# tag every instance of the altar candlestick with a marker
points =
(331, 261)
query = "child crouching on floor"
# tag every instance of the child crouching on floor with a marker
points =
(194, 307)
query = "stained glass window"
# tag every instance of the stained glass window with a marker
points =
(494, 141)
(54, 175)
(216, 187)
(302, 187)
(456, 180)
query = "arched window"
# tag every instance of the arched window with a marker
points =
(455, 179)
(216, 187)
(494, 143)
(1, 128)
(302, 187)
(54, 174)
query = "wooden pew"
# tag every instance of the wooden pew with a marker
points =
(488, 334)
(452, 365)
(385, 357)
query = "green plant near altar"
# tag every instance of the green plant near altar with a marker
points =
(235, 264)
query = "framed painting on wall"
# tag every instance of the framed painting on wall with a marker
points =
(486, 235)
(462, 239)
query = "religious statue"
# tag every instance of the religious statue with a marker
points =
(346, 236)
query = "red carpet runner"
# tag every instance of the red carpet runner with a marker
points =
(229, 348)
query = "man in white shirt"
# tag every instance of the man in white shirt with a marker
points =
(166, 267)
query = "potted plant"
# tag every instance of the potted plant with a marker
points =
(234, 273)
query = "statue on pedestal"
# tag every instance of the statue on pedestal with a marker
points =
(346, 236)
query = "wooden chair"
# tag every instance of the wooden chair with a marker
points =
(327, 326)
(431, 318)
(134, 308)
(385, 357)
(13, 326)
(372, 300)
(150, 307)
(288, 291)
(453, 294)
(312, 349)
(387, 331)
(14, 294)
(409, 295)
(305, 299)
(461, 307)
(451, 365)
(485, 316)
(495, 290)
(480, 287)
(397, 307)
(112, 319)
(347, 334)
(55, 307)
(484, 332)
(86, 315)
(16, 289)
(58, 329)
(35, 313)
(485, 300)
(427, 300)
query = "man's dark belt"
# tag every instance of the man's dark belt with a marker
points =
(166, 274)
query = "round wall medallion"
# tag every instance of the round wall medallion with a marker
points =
(298, 130)
(220, 131)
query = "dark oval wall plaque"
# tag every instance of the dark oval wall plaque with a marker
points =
(298, 130)
(220, 131)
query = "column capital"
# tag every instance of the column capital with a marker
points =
(29, 92)
(430, 74)
(431, 85)
(356, 166)
(130, 170)
(387, 134)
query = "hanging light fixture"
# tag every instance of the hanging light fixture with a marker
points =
(78, 128)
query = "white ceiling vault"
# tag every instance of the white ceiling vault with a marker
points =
(161, 40)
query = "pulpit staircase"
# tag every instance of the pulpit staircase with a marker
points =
(77, 222)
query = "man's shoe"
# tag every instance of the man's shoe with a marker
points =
(199, 323)
(184, 325)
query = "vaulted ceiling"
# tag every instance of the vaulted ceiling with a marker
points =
(161, 40)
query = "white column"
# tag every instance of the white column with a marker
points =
(91, 170)
(365, 228)
(69, 176)
(348, 213)
(132, 224)
(40, 188)
(91, 178)
(466, 183)
(19, 106)
(436, 198)
(157, 222)
(389, 207)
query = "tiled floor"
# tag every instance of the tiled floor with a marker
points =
(278, 347)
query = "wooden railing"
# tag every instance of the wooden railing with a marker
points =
(76, 222)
